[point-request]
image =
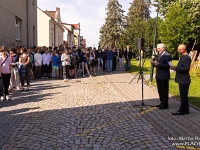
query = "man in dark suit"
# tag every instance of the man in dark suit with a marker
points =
(162, 65)
(128, 56)
(183, 79)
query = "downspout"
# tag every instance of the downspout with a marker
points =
(27, 25)
(54, 35)
(79, 34)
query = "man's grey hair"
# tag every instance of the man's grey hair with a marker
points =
(161, 45)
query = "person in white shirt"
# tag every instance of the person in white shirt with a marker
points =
(65, 58)
(38, 63)
(46, 59)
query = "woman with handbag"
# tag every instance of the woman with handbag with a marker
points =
(65, 63)
(6, 65)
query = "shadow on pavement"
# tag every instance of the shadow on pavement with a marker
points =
(111, 126)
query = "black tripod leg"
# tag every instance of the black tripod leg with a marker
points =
(140, 77)
(134, 78)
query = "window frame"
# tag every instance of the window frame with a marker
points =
(17, 29)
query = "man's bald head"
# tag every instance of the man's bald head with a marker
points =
(182, 49)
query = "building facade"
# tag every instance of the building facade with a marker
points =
(72, 34)
(50, 30)
(18, 25)
(69, 34)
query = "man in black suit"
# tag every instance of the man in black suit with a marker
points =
(183, 79)
(128, 56)
(162, 65)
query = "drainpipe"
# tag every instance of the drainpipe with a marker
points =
(27, 25)
(54, 35)
(79, 34)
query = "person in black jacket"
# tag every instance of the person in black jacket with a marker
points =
(114, 65)
(183, 79)
(128, 56)
(104, 57)
(162, 65)
(99, 57)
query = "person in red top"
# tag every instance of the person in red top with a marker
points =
(5, 68)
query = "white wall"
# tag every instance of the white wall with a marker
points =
(43, 28)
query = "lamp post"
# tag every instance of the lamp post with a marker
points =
(154, 41)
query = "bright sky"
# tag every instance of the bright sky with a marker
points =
(89, 13)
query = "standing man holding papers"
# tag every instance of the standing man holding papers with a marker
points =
(162, 65)
(183, 79)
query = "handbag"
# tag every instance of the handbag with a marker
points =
(15, 69)
(63, 63)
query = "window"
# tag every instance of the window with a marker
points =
(17, 29)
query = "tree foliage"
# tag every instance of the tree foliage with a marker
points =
(175, 28)
(181, 24)
(139, 24)
(112, 29)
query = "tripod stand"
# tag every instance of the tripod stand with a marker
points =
(141, 76)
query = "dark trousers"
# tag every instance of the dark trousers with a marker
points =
(163, 91)
(104, 64)
(114, 66)
(6, 82)
(38, 71)
(66, 72)
(183, 89)
(128, 64)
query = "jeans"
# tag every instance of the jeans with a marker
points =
(121, 63)
(27, 77)
(100, 61)
(109, 65)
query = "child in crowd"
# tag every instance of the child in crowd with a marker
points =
(65, 64)
(55, 64)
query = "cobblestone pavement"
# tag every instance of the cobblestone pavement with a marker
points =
(98, 113)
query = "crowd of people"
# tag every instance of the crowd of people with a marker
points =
(20, 65)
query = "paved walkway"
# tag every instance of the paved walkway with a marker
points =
(98, 113)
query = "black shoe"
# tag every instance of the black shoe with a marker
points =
(187, 112)
(22, 90)
(163, 107)
(159, 105)
(178, 113)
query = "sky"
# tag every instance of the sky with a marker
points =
(89, 13)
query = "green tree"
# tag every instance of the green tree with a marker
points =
(163, 5)
(193, 8)
(110, 31)
(138, 23)
(175, 28)
(149, 33)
